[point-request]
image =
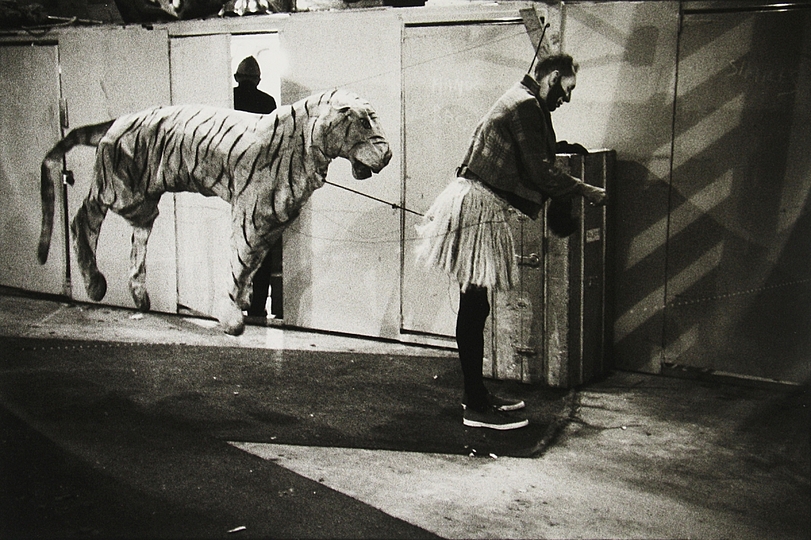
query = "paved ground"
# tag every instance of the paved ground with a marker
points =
(121, 425)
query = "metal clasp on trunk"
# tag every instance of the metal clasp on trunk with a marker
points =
(532, 260)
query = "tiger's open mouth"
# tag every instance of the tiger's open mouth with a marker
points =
(361, 171)
(368, 159)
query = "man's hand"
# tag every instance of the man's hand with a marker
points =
(594, 195)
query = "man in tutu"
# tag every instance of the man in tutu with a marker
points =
(509, 167)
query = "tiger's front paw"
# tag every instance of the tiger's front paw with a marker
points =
(231, 320)
(233, 328)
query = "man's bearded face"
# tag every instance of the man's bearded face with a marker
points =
(561, 92)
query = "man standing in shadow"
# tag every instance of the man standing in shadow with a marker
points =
(247, 97)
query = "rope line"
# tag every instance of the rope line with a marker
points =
(692, 301)
(394, 206)
(456, 52)
(391, 233)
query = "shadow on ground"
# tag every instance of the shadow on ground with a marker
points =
(310, 398)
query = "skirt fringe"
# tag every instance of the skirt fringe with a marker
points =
(466, 233)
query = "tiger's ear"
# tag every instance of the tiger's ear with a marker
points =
(342, 106)
(341, 102)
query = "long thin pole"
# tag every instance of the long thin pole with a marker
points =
(538, 48)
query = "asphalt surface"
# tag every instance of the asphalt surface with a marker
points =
(122, 425)
(111, 438)
(119, 440)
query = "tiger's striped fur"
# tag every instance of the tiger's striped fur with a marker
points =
(266, 166)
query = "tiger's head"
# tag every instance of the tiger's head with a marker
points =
(349, 128)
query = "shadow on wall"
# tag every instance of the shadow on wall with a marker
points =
(638, 223)
(293, 91)
(709, 262)
(626, 53)
(737, 270)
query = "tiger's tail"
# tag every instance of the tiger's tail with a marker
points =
(82, 136)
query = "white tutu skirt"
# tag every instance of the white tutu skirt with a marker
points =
(466, 233)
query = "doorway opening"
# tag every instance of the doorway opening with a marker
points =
(257, 64)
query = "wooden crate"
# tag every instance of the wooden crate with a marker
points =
(551, 328)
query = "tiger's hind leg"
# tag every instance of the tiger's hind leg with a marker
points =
(85, 228)
(137, 278)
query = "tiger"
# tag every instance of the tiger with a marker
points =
(265, 166)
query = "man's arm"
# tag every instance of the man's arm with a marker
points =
(534, 140)
(596, 196)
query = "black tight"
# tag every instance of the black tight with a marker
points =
(474, 308)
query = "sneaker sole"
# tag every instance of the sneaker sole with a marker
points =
(505, 408)
(500, 427)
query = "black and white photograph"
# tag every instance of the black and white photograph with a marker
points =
(372, 269)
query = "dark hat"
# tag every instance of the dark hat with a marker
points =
(249, 67)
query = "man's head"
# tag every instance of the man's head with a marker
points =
(248, 72)
(557, 77)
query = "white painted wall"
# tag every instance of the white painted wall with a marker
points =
(29, 126)
(342, 256)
